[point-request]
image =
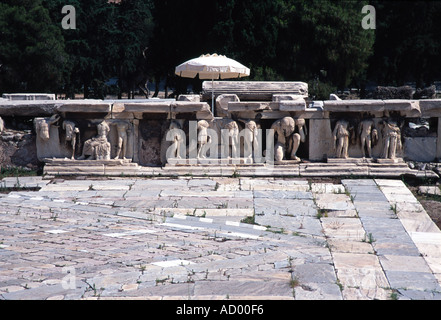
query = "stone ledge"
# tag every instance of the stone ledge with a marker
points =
(353, 105)
(113, 168)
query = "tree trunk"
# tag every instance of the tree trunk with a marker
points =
(157, 81)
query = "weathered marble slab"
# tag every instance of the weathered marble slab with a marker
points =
(353, 105)
(28, 108)
(29, 96)
(254, 90)
(409, 107)
(430, 107)
(252, 105)
(292, 105)
(86, 106)
(188, 106)
(147, 107)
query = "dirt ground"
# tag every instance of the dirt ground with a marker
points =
(433, 209)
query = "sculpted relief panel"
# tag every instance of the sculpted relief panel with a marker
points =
(97, 140)
(367, 137)
(114, 139)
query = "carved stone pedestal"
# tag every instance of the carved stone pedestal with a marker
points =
(287, 162)
(112, 167)
(389, 161)
(209, 161)
(348, 160)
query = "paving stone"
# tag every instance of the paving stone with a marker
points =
(343, 228)
(315, 291)
(421, 281)
(369, 209)
(360, 182)
(351, 213)
(360, 293)
(116, 230)
(395, 248)
(281, 194)
(314, 273)
(404, 263)
(327, 188)
(293, 207)
(345, 246)
(44, 292)
(330, 201)
(417, 222)
(302, 224)
(250, 288)
(369, 197)
(418, 294)
(362, 273)
(179, 290)
(23, 182)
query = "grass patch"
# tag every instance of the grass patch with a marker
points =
(16, 172)
(249, 220)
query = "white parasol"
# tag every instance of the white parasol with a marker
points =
(212, 66)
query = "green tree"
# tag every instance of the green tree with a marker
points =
(182, 31)
(408, 43)
(110, 40)
(32, 56)
(84, 45)
(249, 33)
(128, 41)
(277, 39)
(324, 40)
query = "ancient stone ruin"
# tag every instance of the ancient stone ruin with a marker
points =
(259, 128)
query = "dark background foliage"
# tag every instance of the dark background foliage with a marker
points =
(140, 42)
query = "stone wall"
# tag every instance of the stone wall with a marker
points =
(38, 131)
(17, 144)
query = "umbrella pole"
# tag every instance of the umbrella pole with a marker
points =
(212, 97)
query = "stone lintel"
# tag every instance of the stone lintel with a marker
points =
(283, 97)
(292, 105)
(31, 108)
(188, 106)
(147, 107)
(252, 105)
(204, 115)
(408, 107)
(353, 105)
(84, 106)
(430, 107)
(268, 114)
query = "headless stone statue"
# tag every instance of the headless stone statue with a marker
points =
(341, 138)
(287, 140)
(368, 136)
(122, 128)
(297, 138)
(203, 138)
(97, 148)
(71, 135)
(391, 139)
(178, 138)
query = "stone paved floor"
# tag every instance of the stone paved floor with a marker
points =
(216, 238)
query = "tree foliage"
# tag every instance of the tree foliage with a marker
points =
(317, 41)
(31, 50)
(408, 43)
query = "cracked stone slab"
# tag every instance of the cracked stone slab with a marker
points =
(116, 237)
